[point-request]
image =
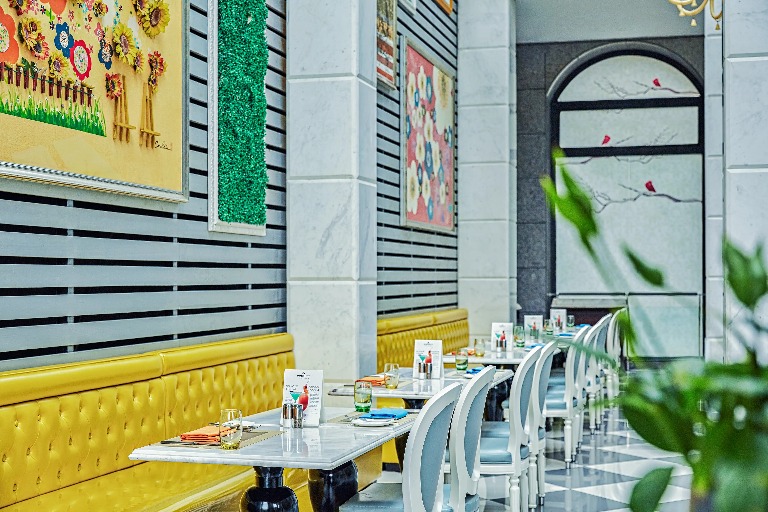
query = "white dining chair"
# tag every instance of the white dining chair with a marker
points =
(463, 455)
(613, 348)
(565, 400)
(422, 489)
(510, 455)
(595, 376)
(535, 425)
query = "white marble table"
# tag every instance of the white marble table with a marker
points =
(328, 450)
(418, 390)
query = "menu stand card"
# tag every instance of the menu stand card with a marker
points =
(502, 335)
(428, 351)
(558, 317)
(533, 325)
(305, 387)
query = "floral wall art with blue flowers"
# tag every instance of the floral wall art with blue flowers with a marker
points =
(428, 113)
(92, 94)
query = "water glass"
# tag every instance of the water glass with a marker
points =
(570, 322)
(519, 336)
(462, 360)
(363, 395)
(392, 374)
(230, 428)
(480, 347)
(548, 330)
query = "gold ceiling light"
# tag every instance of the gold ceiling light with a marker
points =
(690, 8)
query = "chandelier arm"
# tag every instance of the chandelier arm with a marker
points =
(692, 12)
(718, 16)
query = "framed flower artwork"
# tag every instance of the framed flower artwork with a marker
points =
(386, 42)
(93, 94)
(428, 98)
(447, 5)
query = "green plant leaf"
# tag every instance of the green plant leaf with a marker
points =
(648, 491)
(740, 487)
(746, 275)
(651, 275)
(574, 205)
(660, 425)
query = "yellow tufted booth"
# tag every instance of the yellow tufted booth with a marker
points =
(66, 431)
(395, 341)
(395, 336)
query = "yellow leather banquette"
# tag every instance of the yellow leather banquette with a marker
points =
(395, 336)
(66, 431)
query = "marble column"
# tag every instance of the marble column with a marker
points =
(745, 61)
(714, 298)
(487, 163)
(331, 185)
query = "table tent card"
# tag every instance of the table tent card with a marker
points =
(558, 317)
(533, 322)
(305, 387)
(502, 335)
(428, 351)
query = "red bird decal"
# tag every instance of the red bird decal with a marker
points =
(606, 140)
(656, 82)
(649, 186)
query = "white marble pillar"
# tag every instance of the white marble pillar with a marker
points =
(713, 188)
(745, 56)
(487, 121)
(331, 184)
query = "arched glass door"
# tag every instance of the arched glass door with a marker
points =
(631, 127)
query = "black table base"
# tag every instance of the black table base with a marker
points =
(269, 494)
(329, 489)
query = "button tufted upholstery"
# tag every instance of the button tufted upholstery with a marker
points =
(66, 431)
(395, 336)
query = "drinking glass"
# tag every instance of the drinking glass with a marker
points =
(363, 395)
(548, 330)
(480, 347)
(392, 373)
(519, 336)
(230, 428)
(570, 322)
(462, 360)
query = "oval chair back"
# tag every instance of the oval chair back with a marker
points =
(613, 347)
(425, 452)
(520, 394)
(537, 462)
(573, 367)
(465, 437)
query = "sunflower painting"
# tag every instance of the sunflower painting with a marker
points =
(77, 78)
(428, 140)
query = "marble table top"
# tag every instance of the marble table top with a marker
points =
(416, 389)
(325, 447)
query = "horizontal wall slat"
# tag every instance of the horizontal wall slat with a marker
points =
(35, 306)
(99, 272)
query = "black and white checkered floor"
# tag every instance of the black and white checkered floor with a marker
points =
(606, 470)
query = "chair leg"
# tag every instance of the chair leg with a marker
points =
(577, 433)
(542, 467)
(533, 475)
(514, 492)
(592, 412)
(524, 491)
(568, 442)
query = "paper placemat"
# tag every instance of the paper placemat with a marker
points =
(347, 419)
(249, 438)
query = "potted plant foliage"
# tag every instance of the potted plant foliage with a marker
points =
(713, 414)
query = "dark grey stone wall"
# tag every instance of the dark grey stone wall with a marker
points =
(538, 65)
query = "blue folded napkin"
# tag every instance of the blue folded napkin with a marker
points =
(384, 414)
(473, 371)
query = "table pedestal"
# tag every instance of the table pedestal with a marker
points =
(269, 494)
(496, 395)
(329, 489)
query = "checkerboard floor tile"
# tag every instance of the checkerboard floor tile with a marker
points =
(608, 466)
